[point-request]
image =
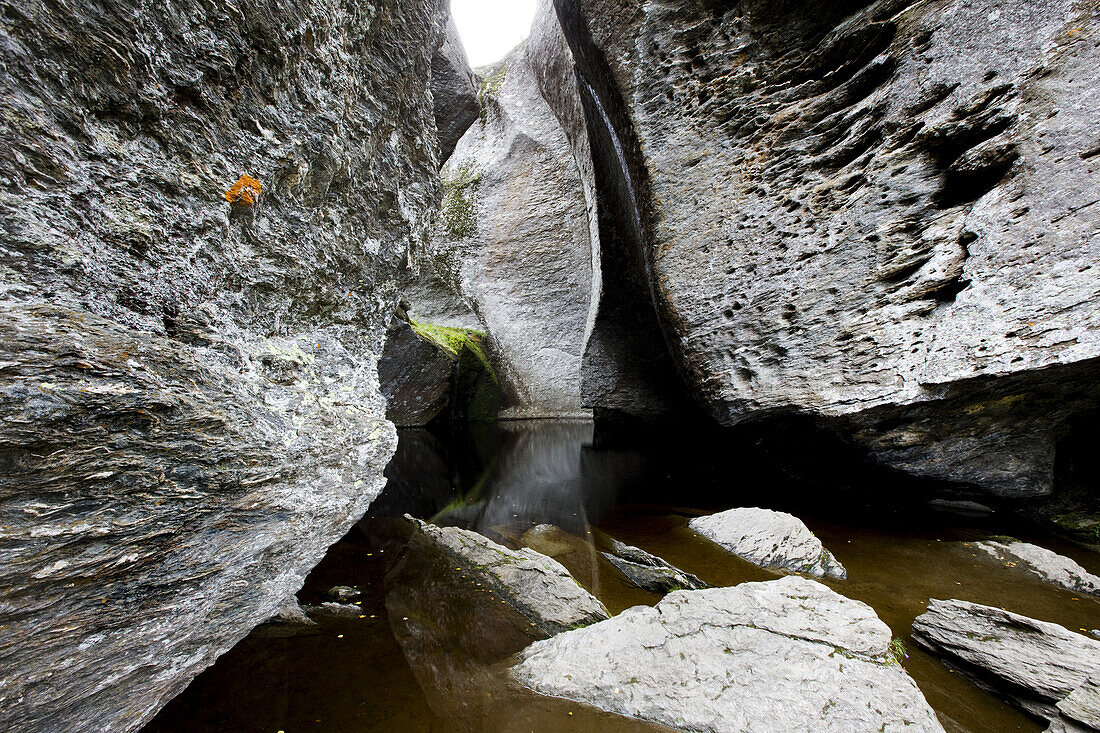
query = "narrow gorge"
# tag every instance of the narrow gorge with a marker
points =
(701, 365)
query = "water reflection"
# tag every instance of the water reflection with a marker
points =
(427, 654)
(527, 473)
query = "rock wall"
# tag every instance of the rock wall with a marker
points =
(454, 91)
(880, 213)
(189, 408)
(516, 240)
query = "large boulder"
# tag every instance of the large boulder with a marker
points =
(454, 91)
(770, 539)
(787, 655)
(882, 214)
(516, 241)
(1034, 663)
(1046, 564)
(206, 209)
(535, 586)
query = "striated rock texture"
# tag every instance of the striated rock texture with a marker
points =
(189, 408)
(516, 240)
(884, 214)
(1035, 663)
(1048, 565)
(649, 572)
(771, 540)
(787, 655)
(454, 90)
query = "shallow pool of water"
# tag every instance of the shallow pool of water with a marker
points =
(427, 654)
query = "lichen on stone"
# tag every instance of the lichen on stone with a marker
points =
(458, 217)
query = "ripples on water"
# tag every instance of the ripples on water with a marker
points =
(428, 655)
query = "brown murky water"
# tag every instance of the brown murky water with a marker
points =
(426, 655)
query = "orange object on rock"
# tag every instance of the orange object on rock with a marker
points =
(246, 191)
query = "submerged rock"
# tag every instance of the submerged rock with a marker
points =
(771, 540)
(290, 620)
(330, 611)
(516, 243)
(344, 593)
(648, 571)
(786, 655)
(460, 604)
(1034, 663)
(536, 586)
(1048, 565)
(869, 212)
(207, 210)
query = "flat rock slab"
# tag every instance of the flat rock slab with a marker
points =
(1083, 704)
(771, 540)
(1038, 664)
(537, 586)
(787, 654)
(1048, 565)
(649, 572)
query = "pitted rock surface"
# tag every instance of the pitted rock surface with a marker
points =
(769, 539)
(189, 408)
(788, 655)
(883, 210)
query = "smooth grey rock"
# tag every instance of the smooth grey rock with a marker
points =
(883, 214)
(536, 586)
(1083, 704)
(788, 655)
(189, 405)
(454, 90)
(1048, 565)
(770, 539)
(515, 241)
(1034, 663)
(649, 572)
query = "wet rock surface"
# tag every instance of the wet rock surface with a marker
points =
(515, 240)
(1044, 563)
(769, 539)
(1034, 663)
(880, 213)
(649, 572)
(788, 654)
(535, 586)
(416, 377)
(206, 211)
(290, 620)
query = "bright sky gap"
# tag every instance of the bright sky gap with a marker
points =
(491, 28)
